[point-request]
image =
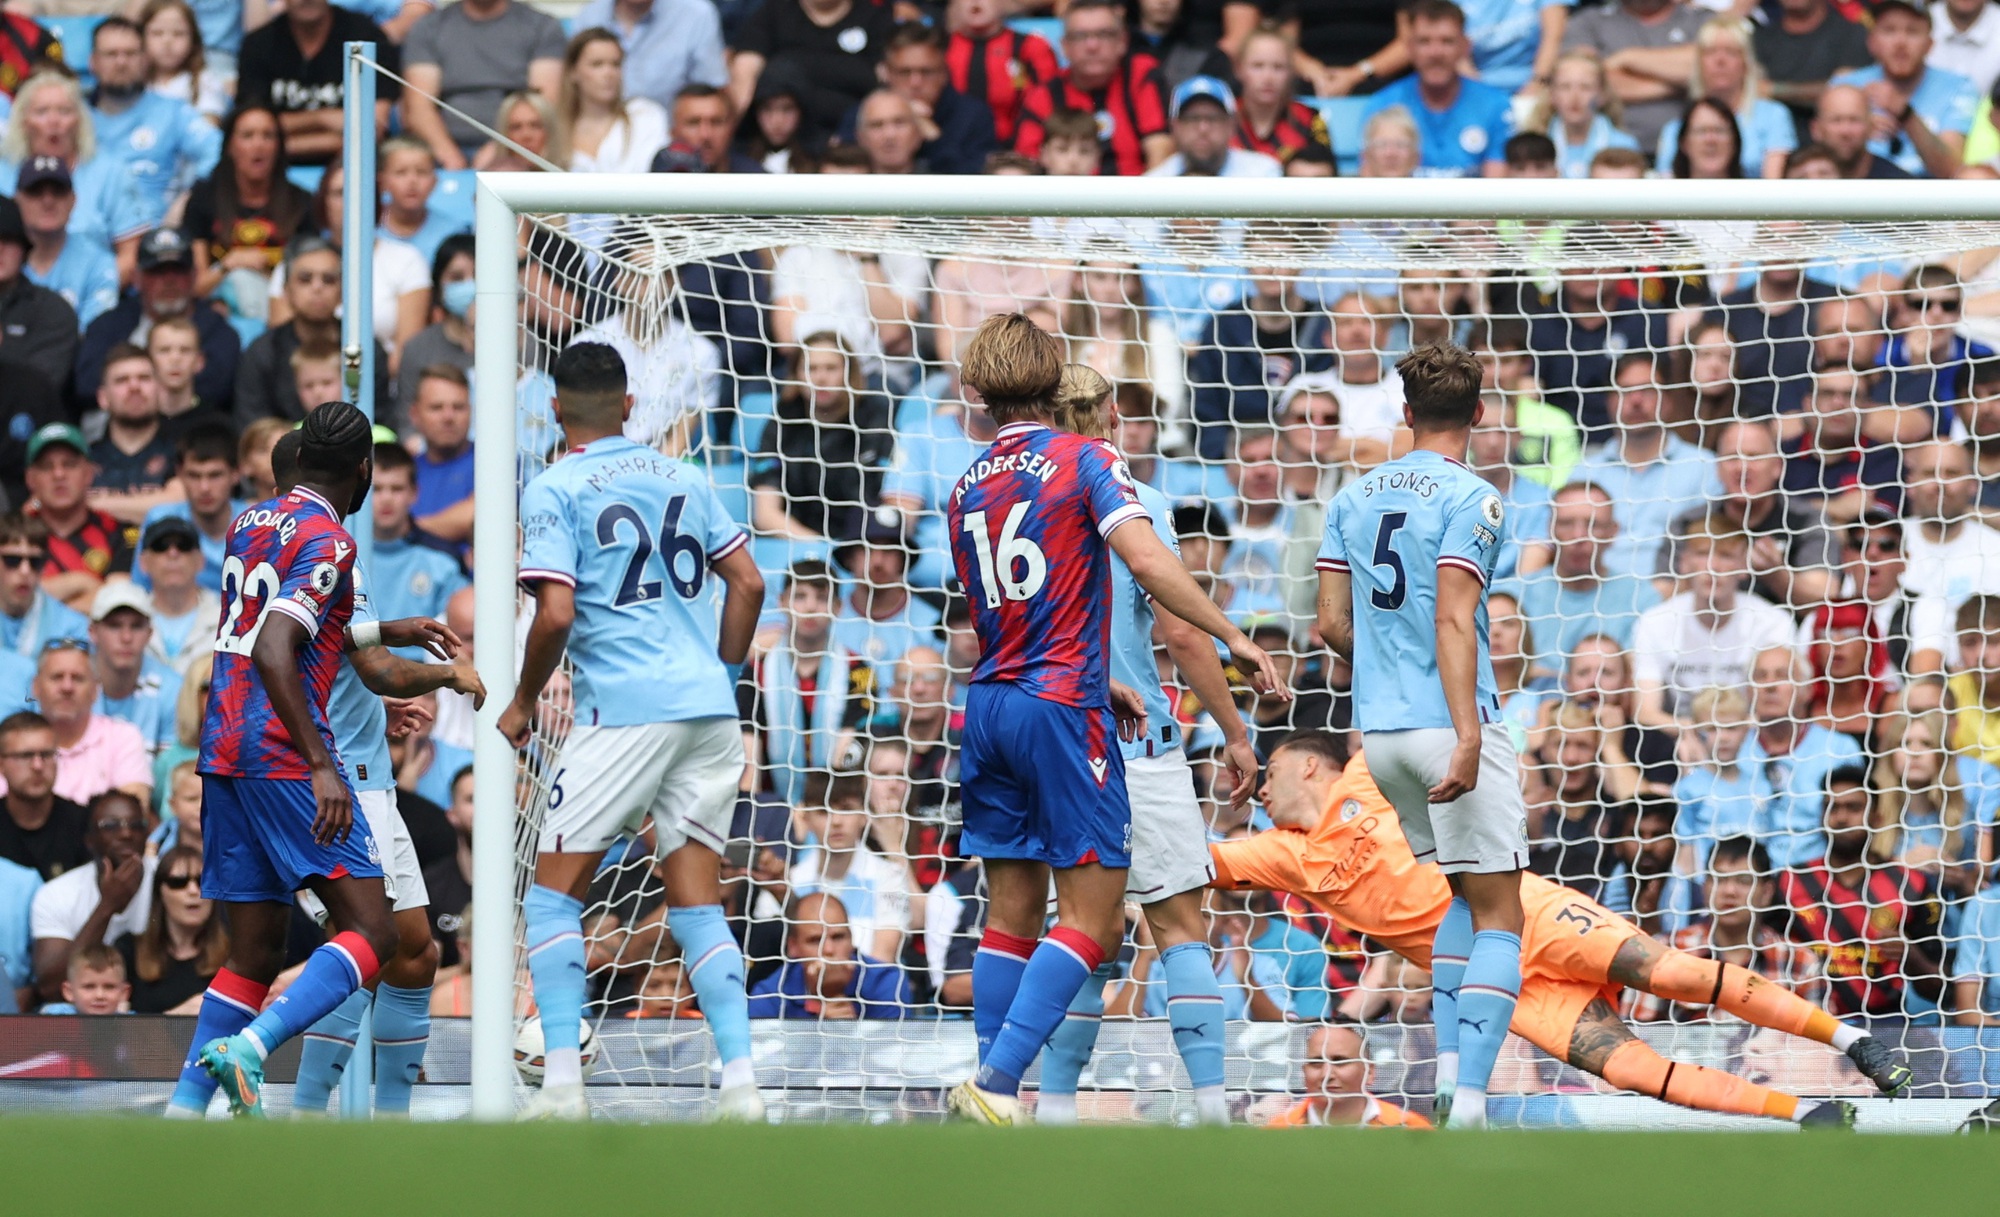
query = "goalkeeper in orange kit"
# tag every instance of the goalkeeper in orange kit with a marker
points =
(1337, 844)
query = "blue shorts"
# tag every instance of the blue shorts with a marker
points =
(257, 841)
(1041, 781)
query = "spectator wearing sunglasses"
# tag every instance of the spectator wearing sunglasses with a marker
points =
(132, 686)
(84, 544)
(184, 944)
(90, 905)
(1926, 364)
(184, 610)
(29, 617)
(39, 829)
(94, 752)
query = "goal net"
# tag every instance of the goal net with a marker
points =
(1746, 467)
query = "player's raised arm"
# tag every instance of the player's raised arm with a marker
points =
(387, 674)
(1195, 656)
(1458, 597)
(1172, 588)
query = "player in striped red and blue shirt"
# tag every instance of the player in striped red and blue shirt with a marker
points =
(277, 807)
(1033, 524)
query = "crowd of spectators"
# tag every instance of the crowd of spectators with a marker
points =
(1747, 630)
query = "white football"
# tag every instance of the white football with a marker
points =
(528, 1050)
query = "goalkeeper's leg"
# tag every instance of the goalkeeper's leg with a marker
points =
(1645, 964)
(1602, 1044)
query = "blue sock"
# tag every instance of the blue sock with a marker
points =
(556, 964)
(331, 974)
(228, 1006)
(714, 966)
(1194, 1011)
(1485, 1005)
(402, 1031)
(1055, 972)
(1070, 1047)
(996, 978)
(1449, 951)
(324, 1051)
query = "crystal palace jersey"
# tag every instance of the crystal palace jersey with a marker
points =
(1391, 530)
(286, 555)
(1027, 526)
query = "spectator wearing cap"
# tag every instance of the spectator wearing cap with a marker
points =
(1203, 121)
(265, 387)
(165, 288)
(183, 613)
(879, 619)
(205, 467)
(30, 618)
(956, 131)
(1463, 124)
(82, 270)
(37, 326)
(107, 208)
(1919, 114)
(85, 544)
(414, 573)
(1103, 78)
(94, 752)
(668, 44)
(135, 459)
(132, 686)
(164, 143)
(294, 64)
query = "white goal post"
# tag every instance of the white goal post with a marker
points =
(503, 199)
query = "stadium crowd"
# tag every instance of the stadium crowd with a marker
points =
(1748, 633)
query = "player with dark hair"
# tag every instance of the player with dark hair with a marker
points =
(277, 806)
(1335, 843)
(1409, 550)
(618, 546)
(1033, 523)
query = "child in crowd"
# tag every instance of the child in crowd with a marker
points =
(175, 346)
(95, 983)
(316, 372)
(1718, 796)
(177, 62)
(408, 176)
(253, 456)
(1069, 145)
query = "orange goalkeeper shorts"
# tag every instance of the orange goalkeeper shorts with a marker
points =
(1566, 956)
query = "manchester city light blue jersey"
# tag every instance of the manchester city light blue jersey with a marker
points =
(1390, 531)
(1132, 661)
(360, 724)
(634, 533)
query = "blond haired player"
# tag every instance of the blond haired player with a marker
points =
(1336, 844)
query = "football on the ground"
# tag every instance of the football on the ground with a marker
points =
(528, 1050)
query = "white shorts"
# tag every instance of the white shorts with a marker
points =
(683, 775)
(1486, 831)
(402, 876)
(1169, 839)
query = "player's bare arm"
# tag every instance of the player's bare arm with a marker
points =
(555, 613)
(433, 636)
(1199, 665)
(1172, 588)
(387, 674)
(275, 655)
(741, 603)
(1336, 612)
(1130, 709)
(1458, 668)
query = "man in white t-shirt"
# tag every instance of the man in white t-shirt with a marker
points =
(1709, 634)
(874, 886)
(97, 904)
(1951, 552)
(1916, 628)
(868, 299)
(1370, 391)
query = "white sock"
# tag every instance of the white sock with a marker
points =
(562, 1067)
(251, 1038)
(1055, 1109)
(739, 1072)
(1211, 1105)
(1845, 1037)
(1468, 1108)
(1447, 1071)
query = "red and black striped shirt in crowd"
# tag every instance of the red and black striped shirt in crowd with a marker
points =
(1298, 125)
(100, 545)
(1871, 942)
(24, 46)
(1130, 107)
(1001, 68)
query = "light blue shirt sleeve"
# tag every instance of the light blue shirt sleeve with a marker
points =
(1332, 547)
(1472, 531)
(721, 535)
(548, 546)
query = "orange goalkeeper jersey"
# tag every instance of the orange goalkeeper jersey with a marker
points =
(1380, 1113)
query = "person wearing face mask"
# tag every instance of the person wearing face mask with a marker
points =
(447, 339)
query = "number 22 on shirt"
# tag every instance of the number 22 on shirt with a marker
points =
(239, 588)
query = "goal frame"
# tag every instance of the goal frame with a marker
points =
(504, 197)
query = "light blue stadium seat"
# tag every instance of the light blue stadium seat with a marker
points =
(1343, 128)
(754, 412)
(75, 33)
(452, 196)
(1049, 28)
(306, 177)
(248, 329)
(731, 488)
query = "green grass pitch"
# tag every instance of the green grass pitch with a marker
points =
(151, 1167)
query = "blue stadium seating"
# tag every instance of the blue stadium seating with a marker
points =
(74, 33)
(1343, 128)
(306, 177)
(1050, 28)
(452, 196)
(754, 412)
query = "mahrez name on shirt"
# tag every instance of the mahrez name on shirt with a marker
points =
(649, 462)
(1034, 464)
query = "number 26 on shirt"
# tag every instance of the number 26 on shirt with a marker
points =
(998, 560)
